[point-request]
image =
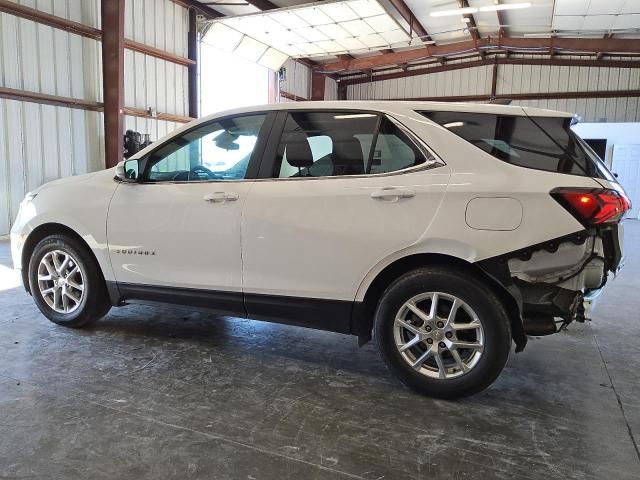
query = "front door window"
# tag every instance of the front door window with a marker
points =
(220, 150)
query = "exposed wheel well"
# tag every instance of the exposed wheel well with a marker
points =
(362, 323)
(43, 231)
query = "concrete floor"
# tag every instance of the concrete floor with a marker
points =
(153, 392)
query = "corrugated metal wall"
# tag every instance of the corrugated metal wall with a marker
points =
(297, 81)
(472, 81)
(330, 89)
(151, 82)
(39, 143)
(536, 78)
(521, 79)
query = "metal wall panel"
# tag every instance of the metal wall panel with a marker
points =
(298, 80)
(161, 24)
(472, 81)
(521, 79)
(39, 143)
(86, 12)
(153, 83)
(330, 89)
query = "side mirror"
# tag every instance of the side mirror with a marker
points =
(127, 171)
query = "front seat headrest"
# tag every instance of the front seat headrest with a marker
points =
(298, 151)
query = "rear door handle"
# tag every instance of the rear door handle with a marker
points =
(220, 197)
(391, 194)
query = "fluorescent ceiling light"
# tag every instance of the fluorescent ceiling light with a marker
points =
(453, 124)
(455, 11)
(321, 28)
(353, 115)
(504, 6)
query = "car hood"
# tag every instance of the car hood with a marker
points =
(77, 179)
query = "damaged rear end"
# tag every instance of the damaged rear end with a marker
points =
(557, 281)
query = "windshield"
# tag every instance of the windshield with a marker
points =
(542, 143)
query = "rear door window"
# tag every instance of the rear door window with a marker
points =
(541, 143)
(328, 144)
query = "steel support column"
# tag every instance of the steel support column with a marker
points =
(112, 12)
(317, 86)
(194, 54)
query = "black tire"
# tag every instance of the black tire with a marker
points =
(94, 303)
(468, 288)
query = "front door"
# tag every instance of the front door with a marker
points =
(179, 226)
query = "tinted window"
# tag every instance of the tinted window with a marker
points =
(393, 150)
(543, 143)
(321, 144)
(215, 151)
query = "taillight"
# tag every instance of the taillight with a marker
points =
(593, 206)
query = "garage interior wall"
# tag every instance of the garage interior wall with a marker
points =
(150, 82)
(297, 82)
(520, 79)
(41, 142)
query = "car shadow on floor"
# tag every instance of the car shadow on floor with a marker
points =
(159, 325)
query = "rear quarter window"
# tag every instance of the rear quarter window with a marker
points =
(541, 143)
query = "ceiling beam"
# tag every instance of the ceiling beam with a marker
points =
(471, 21)
(592, 45)
(601, 54)
(262, 4)
(558, 62)
(502, 22)
(201, 8)
(414, 24)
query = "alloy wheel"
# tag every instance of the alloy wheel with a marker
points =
(61, 281)
(439, 335)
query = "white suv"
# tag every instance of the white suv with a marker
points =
(446, 231)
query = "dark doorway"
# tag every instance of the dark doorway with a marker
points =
(599, 146)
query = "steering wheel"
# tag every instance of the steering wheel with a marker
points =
(201, 168)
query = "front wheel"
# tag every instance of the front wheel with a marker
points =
(442, 332)
(66, 283)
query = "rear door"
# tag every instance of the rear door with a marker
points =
(338, 192)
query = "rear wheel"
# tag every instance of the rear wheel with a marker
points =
(442, 332)
(66, 283)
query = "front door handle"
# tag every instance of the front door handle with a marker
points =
(391, 194)
(220, 197)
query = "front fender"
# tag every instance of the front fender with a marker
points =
(80, 205)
